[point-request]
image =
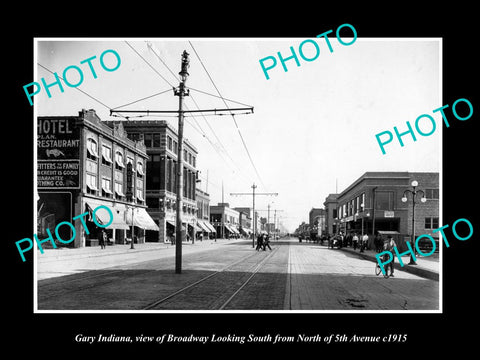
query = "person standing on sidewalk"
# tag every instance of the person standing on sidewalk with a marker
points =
(364, 242)
(388, 245)
(355, 241)
(101, 238)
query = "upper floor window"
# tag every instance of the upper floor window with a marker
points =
(140, 169)
(106, 187)
(92, 149)
(432, 194)
(106, 155)
(119, 165)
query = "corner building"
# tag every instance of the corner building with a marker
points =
(374, 203)
(83, 163)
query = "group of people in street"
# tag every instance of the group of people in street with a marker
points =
(351, 239)
(361, 241)
(263, 241)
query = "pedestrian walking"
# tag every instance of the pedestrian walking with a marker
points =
(101, 238)
(355, 241)
(388, 245)
(259, 242)
(266, 242)
(173, 238)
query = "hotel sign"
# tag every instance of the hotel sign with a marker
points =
(58, 154)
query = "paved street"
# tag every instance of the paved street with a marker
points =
(226, 275)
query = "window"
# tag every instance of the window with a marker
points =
(118, 191)
(169, 143)
(384, 200)
(156, 140)
(185, 155)
(175, 147)
(193, 161)
(148, 140)
(134, 136)
(140, 168)
(432, 194)
(91, 184)
(139, 192)
(106, 155)
(119, 165)
(431, 223)
(92, 149)
(106, 187)
(190, 158)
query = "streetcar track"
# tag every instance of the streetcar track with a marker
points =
(255, 270)
(115, 273)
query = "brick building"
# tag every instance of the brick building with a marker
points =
(83, 163)
(161, 142)
(374, 203)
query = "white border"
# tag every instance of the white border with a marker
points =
(284, 312)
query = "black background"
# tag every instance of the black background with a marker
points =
(53, 334)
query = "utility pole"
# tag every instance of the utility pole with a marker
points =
(253, 193)
(181, 91)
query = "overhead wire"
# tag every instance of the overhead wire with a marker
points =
(76, 88)
(233, 116)
(221, 148)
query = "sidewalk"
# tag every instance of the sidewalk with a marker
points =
(427, 267)
(119, 249)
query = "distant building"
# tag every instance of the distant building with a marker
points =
(330, 205)
(316, 217)
(225, 220)
(246, 224)
(203, 214)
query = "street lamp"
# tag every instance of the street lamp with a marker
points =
(414, 193)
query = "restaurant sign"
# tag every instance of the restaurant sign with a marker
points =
(58, 151)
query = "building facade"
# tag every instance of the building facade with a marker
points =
(330, 205)
(225, 220)
(203, 215)
(161, 142)
(245, 219)
(316, 217)
(83, 163)
(374, 203)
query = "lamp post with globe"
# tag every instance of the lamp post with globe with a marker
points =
(414, 193)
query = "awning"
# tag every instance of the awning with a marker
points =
(210, 226)
(203, 226)
(103, 217)
(231, 228)
(173, 224)
(141, 219)
(234, 229)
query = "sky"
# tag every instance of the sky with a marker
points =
(312, 131)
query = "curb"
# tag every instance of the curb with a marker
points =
(415, 269)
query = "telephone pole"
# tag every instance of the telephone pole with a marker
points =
(253, 193)
(181, 91)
